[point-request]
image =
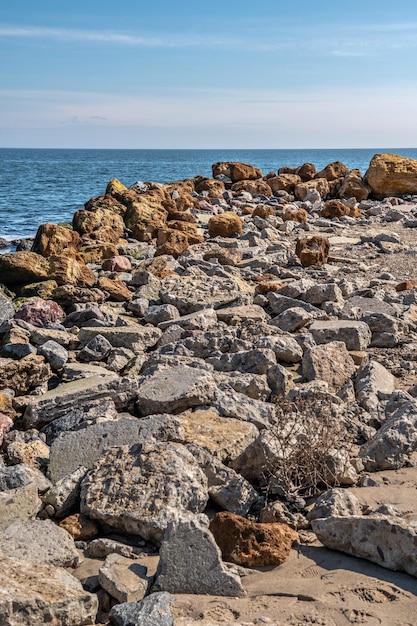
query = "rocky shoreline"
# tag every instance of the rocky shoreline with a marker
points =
(200, 381)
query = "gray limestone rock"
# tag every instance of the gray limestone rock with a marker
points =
(141, 488)
(335, 502)
(320, 293)
(241, 314)
(292, 319)
(280, 303)
(174, 389)
(54, 353)
(254, 386)
(34, 594)
(330, 362)
(257, 361)
(230, 403)
(123, 578)
(97, 349)
(356, 335)
(279, 380)
(134, 337)
(39, 541)
(190, 561)
(6, 309)
(154, 610)
(73, 450)
(65, 494)
(373, 383)
(199, 320)
(388, 541)
(102, 547)
(286, 348)
(80, 416)
(161, 313)
(194, 292)
(386, 329)
(19, 498)
(226, 487)
(59, 401)
(394, 443)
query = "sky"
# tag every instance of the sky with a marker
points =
(208, 74)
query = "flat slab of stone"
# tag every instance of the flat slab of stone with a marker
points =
(191, 293)
(368, 305)
(136, 338)
(123, 578)
(330, 362)
(59, 401)
(388, 541)
(224, 437)
(140, 489)
(39, 541)
(82, 448)
(175, 389)
(356, 335)
(252, 312)
(34, 594)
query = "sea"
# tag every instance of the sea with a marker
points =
(49, 185)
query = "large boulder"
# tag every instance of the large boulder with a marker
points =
(354, 186)
(24, 375)
(34, 594)
(54, 239)
(145, 216)
(330, 362)
(332, 171)
(141, 488)
(101, 224)
(39, 541)
(67, 270)
(391, 175)
(388, 541)
(284, 182)
(154, 610)
(17, 268)
(236, 171)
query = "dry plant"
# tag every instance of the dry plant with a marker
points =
(312, 447)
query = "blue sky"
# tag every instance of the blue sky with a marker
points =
(165, 74)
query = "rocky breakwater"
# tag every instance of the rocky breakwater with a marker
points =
(186, 368)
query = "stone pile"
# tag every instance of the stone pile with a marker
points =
(162, 359)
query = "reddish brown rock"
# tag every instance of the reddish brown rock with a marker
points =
(118, 263)
(294, 215)
(25, 375)
(263, 210)
(225, 225)
(115, 188)
(252, 544)
(17, 268)
(100, 225)
(253, 187)
(116, 289)
(80, 527)
(266, 286)
(334, 208)
(43, 289)
(284, 182)
(306, 171)
(406, 285)
(53, 239)
(313, 250)
(391, 175)
(171, 241)
(236, 171)
(67, 295)
(105, 201)
(214, 188)
(145, 217)
(67, 270)
(96, 253)
(353, 186)
(40, 312)
(320, 184)
(333, 171)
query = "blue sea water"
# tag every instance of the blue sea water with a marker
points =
(48, 185)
